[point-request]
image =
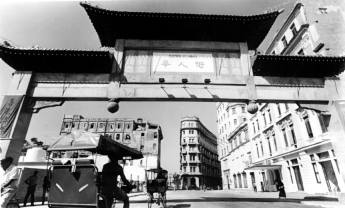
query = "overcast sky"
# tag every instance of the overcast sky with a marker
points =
(65, 24)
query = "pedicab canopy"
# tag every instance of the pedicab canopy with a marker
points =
(82, 140)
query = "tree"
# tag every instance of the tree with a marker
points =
(176, 180)
(35, 142)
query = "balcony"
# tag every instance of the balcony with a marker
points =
(193, 151)
(194, 161)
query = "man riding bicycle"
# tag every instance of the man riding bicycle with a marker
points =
(109, 187)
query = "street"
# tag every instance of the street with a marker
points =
(223, 198)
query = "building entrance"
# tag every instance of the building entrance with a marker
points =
(331, 180)
(298, 178)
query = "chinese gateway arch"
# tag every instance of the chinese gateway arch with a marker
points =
(149, 56)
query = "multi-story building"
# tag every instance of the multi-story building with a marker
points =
(287, 141)
(199, 162)
(139, 134)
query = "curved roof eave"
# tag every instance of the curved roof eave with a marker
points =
(111, 25)
(56, 60)
(298, 66)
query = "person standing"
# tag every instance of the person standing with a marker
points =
(109, 186)
(281, 189)
(32, 183)
(45, 188)
(9, 180)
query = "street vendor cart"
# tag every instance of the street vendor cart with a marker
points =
(75, 180)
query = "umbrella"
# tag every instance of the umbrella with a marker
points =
(83, 140)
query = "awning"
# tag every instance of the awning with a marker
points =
(264, 167)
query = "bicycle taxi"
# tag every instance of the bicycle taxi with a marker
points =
(156, 185)
(75, 181)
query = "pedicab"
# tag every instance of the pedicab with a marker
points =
(75, 181)
(156, 185)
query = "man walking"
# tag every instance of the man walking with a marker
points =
(45, 187)
(9, 181)
(32, 183)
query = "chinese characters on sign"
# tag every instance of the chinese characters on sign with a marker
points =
(182, 62)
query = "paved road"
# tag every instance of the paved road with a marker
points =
(233, 199)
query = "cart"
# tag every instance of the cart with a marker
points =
(76, 182)
(156, 185)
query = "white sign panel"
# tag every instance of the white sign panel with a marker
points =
(182, 62)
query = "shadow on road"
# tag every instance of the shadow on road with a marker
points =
(179, 206)
(218, 199)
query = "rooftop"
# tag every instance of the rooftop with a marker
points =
(56, 60)
(298, 66)
(111, 25)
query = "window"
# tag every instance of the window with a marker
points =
(293, 29)
(285, 137)
(235, 121)
(269, 116)
(286, 107)
(322, 122)
(285, 43)
(233, 111)
(257, 150)
(262, 148)
(269, 146)
(307, 125)
(316, 172)
(92, 125)
(264, 115)
(301, 52)
(275, 142)
(292, 136)
(253, 124)
(244, 119)
(279, 110)
(257, 123)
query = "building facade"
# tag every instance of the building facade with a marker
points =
(286, 141)
(199, 162)
(138, 134)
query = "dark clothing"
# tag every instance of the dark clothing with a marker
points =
(32, 182)
(110, 190)
(45, 187)
(30, 192)
(281, 189)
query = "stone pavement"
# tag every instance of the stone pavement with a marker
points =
(236, 198)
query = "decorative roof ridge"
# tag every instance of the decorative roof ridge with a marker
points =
(37, 48)
(298, 57)
(262, 16)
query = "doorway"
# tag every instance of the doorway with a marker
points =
(298, 177)
(331, 179)
(252, 177)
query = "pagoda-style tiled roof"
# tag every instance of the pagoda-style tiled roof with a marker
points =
(298, 66)
(56, 60)
(111, 25)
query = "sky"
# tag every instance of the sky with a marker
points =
(65, 25)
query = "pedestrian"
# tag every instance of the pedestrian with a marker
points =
(9, 181)
(32, 183)
(281, 189)
(45, 188)
(110, 190)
